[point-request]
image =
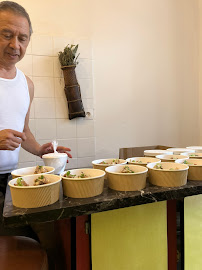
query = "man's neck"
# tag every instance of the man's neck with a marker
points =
(7, 72)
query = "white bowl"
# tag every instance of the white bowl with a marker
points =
(155, 152)
(56, 160)
(172, 174)
(143, 161)
(178, 151)
(109, 161)
(193, 155)
(198, 149)
(127, 181)
(83, 187)
(171, 158)
(30, 170)
(195, 168)
(35, 196)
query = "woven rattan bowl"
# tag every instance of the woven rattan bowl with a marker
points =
(35, 196)
(29, 171)
(195, 168)
(168, 174)
(127, 181)
(83, 187)
(171, 158)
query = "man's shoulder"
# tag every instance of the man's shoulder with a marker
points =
(30, 86)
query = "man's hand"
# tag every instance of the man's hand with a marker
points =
(11, 139)
(48, 148)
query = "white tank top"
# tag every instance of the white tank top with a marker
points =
(14, 104)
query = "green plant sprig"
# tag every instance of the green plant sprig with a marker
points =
(68, 57)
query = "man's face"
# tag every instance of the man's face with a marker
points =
(14, 38)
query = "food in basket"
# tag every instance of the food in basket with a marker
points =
(20, 182)
(126, 169)
(113, 162)
(41, 180)
(160, 167)
(137, 161)
(81, 175)
(189, 163)
(40, 169)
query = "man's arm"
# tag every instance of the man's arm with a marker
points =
(30, 144)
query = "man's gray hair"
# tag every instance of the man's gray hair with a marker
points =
(16, 9)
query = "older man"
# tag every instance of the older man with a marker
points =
(16, 91)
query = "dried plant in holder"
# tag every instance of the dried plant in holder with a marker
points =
(68, 60)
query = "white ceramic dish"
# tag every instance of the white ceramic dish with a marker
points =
(155, 152)
(178, 151)
(58, 161)
(127, 181)
(197, 149)
(29, 170)
(35, 196)
(172, 174)
(195, 155)
(171, 158)
(83, 187)
(97, 164)
(143, 161)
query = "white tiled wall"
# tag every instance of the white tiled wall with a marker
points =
(49, 111)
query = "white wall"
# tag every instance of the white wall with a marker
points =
(145, 69)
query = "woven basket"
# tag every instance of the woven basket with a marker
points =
(69, 75)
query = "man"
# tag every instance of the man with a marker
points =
(16, 92)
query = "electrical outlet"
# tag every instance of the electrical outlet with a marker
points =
(89, 114)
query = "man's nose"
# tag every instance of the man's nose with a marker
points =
(14, 43)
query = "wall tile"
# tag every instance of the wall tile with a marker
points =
(31, 115)
(85, 48)
(42, 45)
(26, 156)
(59, 43)
(85, 128)
(70, 143)
(86, 86)
(26, 65)
(85, 162)
(59, 87)
(26, 164)
(43, 66)
(72, 164)
(32, 126)
(86, 147)
(57, 68)
(44, 107)
(43, 87)
(61, 108)
(88, 103)
(46, 129)
(29, 48)
(66, 128)
(84, 69)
